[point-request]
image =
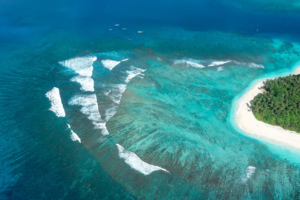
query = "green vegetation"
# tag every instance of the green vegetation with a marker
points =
(279, 104)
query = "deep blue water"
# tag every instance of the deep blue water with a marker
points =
(156, 126)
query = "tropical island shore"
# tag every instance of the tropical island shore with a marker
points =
(246, 121)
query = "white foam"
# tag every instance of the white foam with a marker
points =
(117, 24)
(81, 65)
(190, 62)
(251, 65)
(90, 108)
(110, 64)
(254, 65)
(110, 112)
(124, 59)
(140, 31)
(124, 29)
(107, 93)
(217, 63)
(88, 103)
(136, 163)
(74, 136)
(83, 100)
(133, 73)
(102, 126)
(87, 83)
(116, 92)
(220, 69)
(250, 170)
(86, 72)
(56, 104)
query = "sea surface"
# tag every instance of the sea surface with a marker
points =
(135, 99)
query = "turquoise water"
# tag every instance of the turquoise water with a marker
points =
(93, 113)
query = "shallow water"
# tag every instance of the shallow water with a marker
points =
(89, 113)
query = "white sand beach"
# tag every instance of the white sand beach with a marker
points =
(273, 134)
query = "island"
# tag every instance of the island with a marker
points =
(279, 104)
(270, 111)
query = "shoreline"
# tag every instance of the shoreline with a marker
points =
(246, 121)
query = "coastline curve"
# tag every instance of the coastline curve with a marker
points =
(246, 121)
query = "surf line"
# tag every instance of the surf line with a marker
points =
(89, 106)
(58, 109)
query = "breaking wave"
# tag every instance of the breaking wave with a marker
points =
(82, 65)
(56, 104)
(133, 73)
(217, 63)
(209, 63)
(136, 163)
(251, 65)
(189, 62)
(110, 64)
(89, 107)
(74, 136)
(88, 102)
(115, 91)
(87, 83)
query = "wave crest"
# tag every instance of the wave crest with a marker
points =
(87, 83)
(189, 62)
(110, 64)
(81, 65)
(56, 104)
(136, 163)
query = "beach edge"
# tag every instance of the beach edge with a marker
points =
(245, 120)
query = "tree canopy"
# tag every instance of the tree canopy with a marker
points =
(279, 104)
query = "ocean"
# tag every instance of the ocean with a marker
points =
(135, 100)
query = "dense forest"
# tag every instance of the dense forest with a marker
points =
(279, 104)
